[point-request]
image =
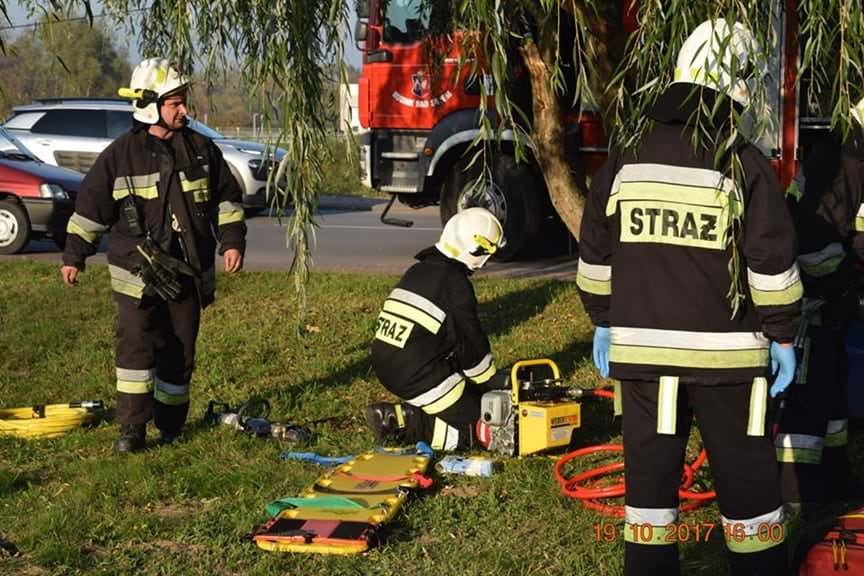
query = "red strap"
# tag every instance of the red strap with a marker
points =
(421, 480)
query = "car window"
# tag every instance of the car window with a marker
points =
(117, 122)
(83, 123)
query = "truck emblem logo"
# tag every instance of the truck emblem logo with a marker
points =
(419, 84)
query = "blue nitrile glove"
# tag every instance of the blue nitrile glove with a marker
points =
(602, 339)
(783, 364)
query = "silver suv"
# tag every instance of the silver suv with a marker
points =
(71, 132)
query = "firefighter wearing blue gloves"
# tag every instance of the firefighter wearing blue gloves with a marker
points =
(663, 227)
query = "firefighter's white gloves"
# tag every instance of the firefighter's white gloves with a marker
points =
(783, 364)
(602, 339)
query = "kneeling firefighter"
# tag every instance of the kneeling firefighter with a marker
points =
(429, 348)
(665, 226)
(159, 189)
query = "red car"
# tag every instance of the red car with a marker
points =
(36, 199)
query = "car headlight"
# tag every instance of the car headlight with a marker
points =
(54, 191)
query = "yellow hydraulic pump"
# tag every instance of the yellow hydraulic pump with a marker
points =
(537, 414)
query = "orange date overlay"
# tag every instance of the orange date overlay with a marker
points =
(684, 532)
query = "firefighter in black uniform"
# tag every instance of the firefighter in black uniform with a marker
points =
(829, 218)
(661, 232)
(429, 348)
(160, 189)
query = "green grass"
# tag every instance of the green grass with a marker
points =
(73, 507)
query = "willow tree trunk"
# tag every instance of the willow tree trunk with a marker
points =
(547, 133)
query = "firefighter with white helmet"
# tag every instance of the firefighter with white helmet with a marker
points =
(429, 348)
(665, 228)
(157, 189)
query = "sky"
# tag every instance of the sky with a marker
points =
(19, 16)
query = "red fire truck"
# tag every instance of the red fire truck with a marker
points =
(419, 129)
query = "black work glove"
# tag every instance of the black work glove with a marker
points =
(160, 271)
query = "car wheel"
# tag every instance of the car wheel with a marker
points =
(14, 228)
(513, 196)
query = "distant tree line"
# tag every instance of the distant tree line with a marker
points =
(73, 59)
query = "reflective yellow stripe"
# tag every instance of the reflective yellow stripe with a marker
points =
(794, 191)
(400, 416)
(72, 227)
(837, 439)
(411, 313)
(617, 403)
(667, 405)
(788, 295)
(799, 455)
(439, 434)
(447, 400)
(673, 194)
(125, 282)
(859, 224)
(127, 288)
(758, 406)
(755, 543)
(192, 185)
(171, 399)
(688, 358)
(485, 376)
(230, 217)
(133, 387)
(597, 287)
(823, 268)
(146, 192)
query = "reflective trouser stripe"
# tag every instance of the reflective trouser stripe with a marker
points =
(617, 403)
(837, 433)
(758, 406)
(400, 416)
(667, 405)
(441, 396)
(444, 436)
(648, 525)
(799, 448)
(447, 400)
(755, 534)
(131, 381)
(799, 455)
(171, 394)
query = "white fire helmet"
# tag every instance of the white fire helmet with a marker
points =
(722, 58)
(858, 112)
(152, 80)
(471, 237)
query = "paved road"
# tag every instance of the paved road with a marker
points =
(351, 237)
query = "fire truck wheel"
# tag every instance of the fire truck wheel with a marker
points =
(513, 195)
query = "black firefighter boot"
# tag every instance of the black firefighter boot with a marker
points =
(132, 438)
(390, 421)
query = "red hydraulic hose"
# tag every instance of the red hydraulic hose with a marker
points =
(582, 486)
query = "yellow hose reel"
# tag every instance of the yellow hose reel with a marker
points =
(48, 420)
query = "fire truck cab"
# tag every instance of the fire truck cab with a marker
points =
(420, 122)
